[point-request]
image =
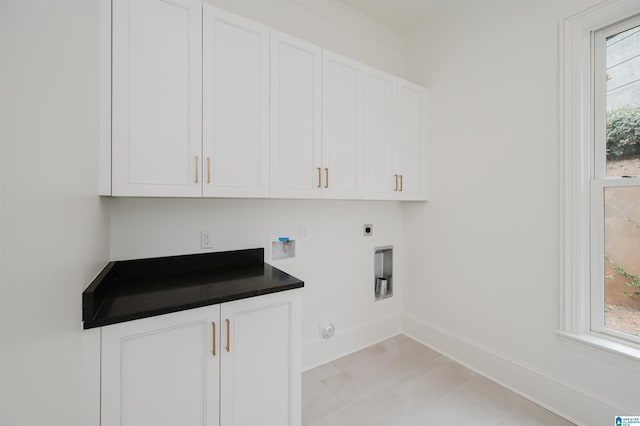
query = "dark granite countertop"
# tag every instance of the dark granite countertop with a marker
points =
(134, 289)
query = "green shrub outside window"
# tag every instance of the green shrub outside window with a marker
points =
(623, 133)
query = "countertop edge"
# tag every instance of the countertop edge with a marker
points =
(89, 324)
(105, 286)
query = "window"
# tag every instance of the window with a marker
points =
(600, 178)
(615, 182)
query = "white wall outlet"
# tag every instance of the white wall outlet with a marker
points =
(206, 240)
(304, 232)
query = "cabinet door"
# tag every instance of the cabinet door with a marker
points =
(296, 104)
(157, 97)
(260, 368)
(380, 135)
(341, 127)
(162, 370)
(235, 105)
(412, 146)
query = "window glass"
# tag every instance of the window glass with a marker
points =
(622, 259)
(623, 103)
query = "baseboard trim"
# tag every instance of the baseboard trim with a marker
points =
(560, 398)
(320, 351)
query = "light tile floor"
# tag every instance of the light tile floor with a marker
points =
(400, 382)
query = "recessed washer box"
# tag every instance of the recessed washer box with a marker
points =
(283, 248)
(383, 272)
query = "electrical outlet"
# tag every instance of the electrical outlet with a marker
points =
(206, 241)
(304, 232)
(367, 230)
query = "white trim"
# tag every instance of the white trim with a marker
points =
(104, 135)
(619, 353)
(574, 110)
(349, 18)
(576, 164)
(91, 366)
(541, 388)
(599, 102)
(596, 282)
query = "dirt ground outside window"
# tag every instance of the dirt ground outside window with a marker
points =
(622, 249)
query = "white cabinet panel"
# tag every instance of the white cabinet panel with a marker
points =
(260, 375)
(235, 105)
(342, 127)
(156, 133)
(161, 370)
(207, 103)
(190, 369)
(412, 147)
(380, 135)
(296, 103)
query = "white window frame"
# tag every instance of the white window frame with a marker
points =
(581, 177)
(600, 181)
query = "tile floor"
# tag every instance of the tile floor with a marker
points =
(400, 382)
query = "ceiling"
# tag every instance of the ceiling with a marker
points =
(399, 15)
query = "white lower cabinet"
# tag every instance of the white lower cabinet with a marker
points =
(234, 364)
(260, 378)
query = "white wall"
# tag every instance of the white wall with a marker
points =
(53, 228)
(329, 24)
(336, 260)
(482, 255)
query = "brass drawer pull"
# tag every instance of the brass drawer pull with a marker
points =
(197, 169)
(228, 339)
(208, 169)
(326, 177)
(319, 177)
(213, 324)
(396, 188)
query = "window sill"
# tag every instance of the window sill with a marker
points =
(623, 354)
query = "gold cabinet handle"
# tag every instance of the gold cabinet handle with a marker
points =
(326, 177)
(396, 188)
(400, 183)
(228, 339)
(213, 350)
(197, 169)
(208, 169)
(319, 177)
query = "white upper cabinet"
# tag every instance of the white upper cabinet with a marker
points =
(296, 163)
(235, 125)
(381, 178)
(412, 153)
(156, 98)
(342, 102)
(205, 103)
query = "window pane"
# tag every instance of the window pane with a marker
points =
(622, 259)
(623, 103)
